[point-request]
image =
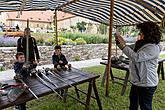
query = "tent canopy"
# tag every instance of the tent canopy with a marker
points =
(126, 12)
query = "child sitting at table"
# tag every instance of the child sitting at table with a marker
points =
(58, 58)
(59, 61)
(20, 69)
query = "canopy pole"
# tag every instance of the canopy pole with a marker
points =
(55, 28)
(117, 30)
(27, 42)
(109, 47)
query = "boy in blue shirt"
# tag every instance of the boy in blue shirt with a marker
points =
(20, 69)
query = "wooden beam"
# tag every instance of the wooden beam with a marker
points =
(27, 42)
(109, 46)
(55, 27)
(149, 7)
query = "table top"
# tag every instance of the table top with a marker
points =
(121, 66)
(124, 66)
(71, 77)
(160, 60)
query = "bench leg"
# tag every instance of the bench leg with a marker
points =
(77, 93)
(87, 105)
(112, 77)
(65, 95)
(125, 83)
(104, 76)
(97, 95)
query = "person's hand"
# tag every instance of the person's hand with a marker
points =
(60, 61)
(26, 65)
(120, 41)
(18, 77)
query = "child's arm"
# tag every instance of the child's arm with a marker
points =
(19, 70)
(65, 60)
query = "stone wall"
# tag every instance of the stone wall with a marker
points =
(72, 53)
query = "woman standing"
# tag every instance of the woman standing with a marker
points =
(143, 65)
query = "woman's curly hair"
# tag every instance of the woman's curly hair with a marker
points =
(151, 32)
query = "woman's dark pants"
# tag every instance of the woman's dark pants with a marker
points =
(141, 96)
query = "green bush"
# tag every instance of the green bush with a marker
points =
(65, 41)
(80, 41)
(50, 41)
(2, 68)
(40, 41)
(163, 37)
(90, 39)
(61, 40)
(69, 42)
(77, 58)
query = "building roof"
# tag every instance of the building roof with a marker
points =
(39, 16)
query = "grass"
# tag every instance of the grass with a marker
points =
(162, 56)
(113, 102)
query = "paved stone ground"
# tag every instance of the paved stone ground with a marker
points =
(9, 74)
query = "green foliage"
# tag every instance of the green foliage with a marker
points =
(73, 27)
(61, 40)
(40, 40)
(163, 35)
(162, 56)
(77, 58)
(130, 30)
(50, 41)
(69, 42)
(103, 29)
(65, 41)
(81, 26)
(89, 38)
(80, 41)
(2, 68)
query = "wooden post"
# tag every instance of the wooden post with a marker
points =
(55, 27)
(27, 42)
(109, 47)
(117, 30)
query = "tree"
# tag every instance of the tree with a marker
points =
(103, 29)
(73, 28)
(81, 26)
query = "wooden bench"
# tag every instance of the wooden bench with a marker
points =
(72, 77)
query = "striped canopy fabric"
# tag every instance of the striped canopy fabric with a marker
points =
(126, 12)
(27, 5)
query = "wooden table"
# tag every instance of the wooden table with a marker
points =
(121, 66)
(161, 68)
(125, 67)
(73, 77)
